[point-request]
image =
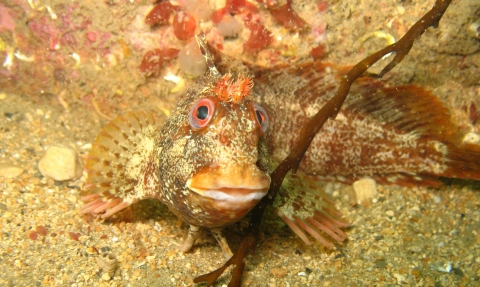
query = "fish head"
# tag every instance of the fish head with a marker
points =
(217, 160)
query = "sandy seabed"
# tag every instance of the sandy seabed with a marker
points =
(407, 236)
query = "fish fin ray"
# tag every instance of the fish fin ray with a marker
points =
(305, 208)
(122, 165)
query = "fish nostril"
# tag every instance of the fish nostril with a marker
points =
(224, 138)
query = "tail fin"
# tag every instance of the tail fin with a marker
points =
(412, 110)
(122, 166)
(463, 161)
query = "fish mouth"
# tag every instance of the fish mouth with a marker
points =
(232, 184)
(233, 195)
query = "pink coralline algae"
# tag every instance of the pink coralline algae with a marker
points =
(62, 31)
(7, 22)
(46, 29)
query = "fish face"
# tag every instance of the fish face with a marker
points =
(211, 167)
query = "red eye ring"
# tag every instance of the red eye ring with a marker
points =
(201, 113)
(262, 117)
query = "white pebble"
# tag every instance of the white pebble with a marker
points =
(389, 213)
(9, 170)
(437, 199)
(447, 267)
(414, 248)
(365, 189)
(400, 278)
(106, 277)
(60, 163)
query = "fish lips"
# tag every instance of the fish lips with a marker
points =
(233, 198)
(230, 188)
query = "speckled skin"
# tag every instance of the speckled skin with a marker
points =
(401, 135)
(232, 138)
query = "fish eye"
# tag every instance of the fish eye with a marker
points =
(262, 117)
(201, 113)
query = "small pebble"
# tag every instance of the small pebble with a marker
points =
(41, 230)
(475, 30)
(365, 189)
(414, 248)
(446, 268)
(33, 235)
(60, 163)
(279, 272)
(437, 199)
(9, 170)
(106, 277)
(400, 278)
(74, 236)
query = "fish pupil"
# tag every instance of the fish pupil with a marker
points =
(202, 112)
(260, 116)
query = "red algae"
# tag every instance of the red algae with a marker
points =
(287, 17)
(217, 16)
(237, 6)
(259, 38)
(184, 25)
(160, 13)
(233, 7)
(318, 52)
(322, 6)
(155, 59)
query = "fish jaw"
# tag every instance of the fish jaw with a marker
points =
(232, 188)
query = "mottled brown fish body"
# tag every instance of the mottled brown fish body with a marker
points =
(401, 135)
